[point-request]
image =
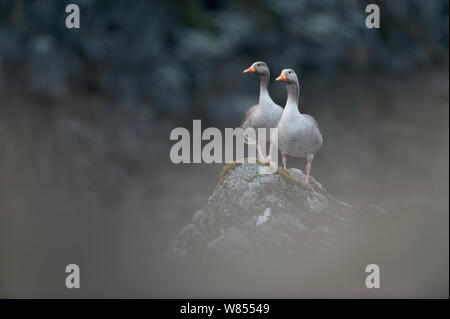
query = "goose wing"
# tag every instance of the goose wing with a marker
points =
(247, 120)
(312, 119)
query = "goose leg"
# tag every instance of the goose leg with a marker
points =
(262, 158)
(284, 161)
(270, 155)
(260, 155)
(308, 169)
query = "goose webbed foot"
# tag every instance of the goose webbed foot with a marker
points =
(307, 185)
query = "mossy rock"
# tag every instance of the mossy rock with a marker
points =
(229, 167)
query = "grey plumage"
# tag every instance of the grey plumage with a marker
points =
(266, 113)
(298, 135)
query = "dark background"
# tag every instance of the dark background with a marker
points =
(85, 118)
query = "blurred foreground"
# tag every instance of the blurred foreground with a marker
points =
(81, 182)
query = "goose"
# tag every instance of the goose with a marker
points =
(266, 113)
(298, 134)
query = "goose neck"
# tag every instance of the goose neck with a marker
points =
(293, 95)
(263, 86)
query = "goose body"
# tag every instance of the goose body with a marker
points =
(298, 135)
(266, 114)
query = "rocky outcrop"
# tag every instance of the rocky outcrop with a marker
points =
(250, 212)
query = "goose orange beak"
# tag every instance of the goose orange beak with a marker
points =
(250, 70)
(282, 77)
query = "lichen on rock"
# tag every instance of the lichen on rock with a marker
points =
(250, 212)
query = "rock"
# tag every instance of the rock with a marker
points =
(249, 213)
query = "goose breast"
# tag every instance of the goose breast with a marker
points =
(300, 137)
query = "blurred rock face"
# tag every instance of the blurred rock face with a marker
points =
(174, 56)
(85, 174)
(251, 213)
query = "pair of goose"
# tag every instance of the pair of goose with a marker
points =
(298, 134)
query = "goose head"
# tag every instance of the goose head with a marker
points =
(288, 76)
(258, 68)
